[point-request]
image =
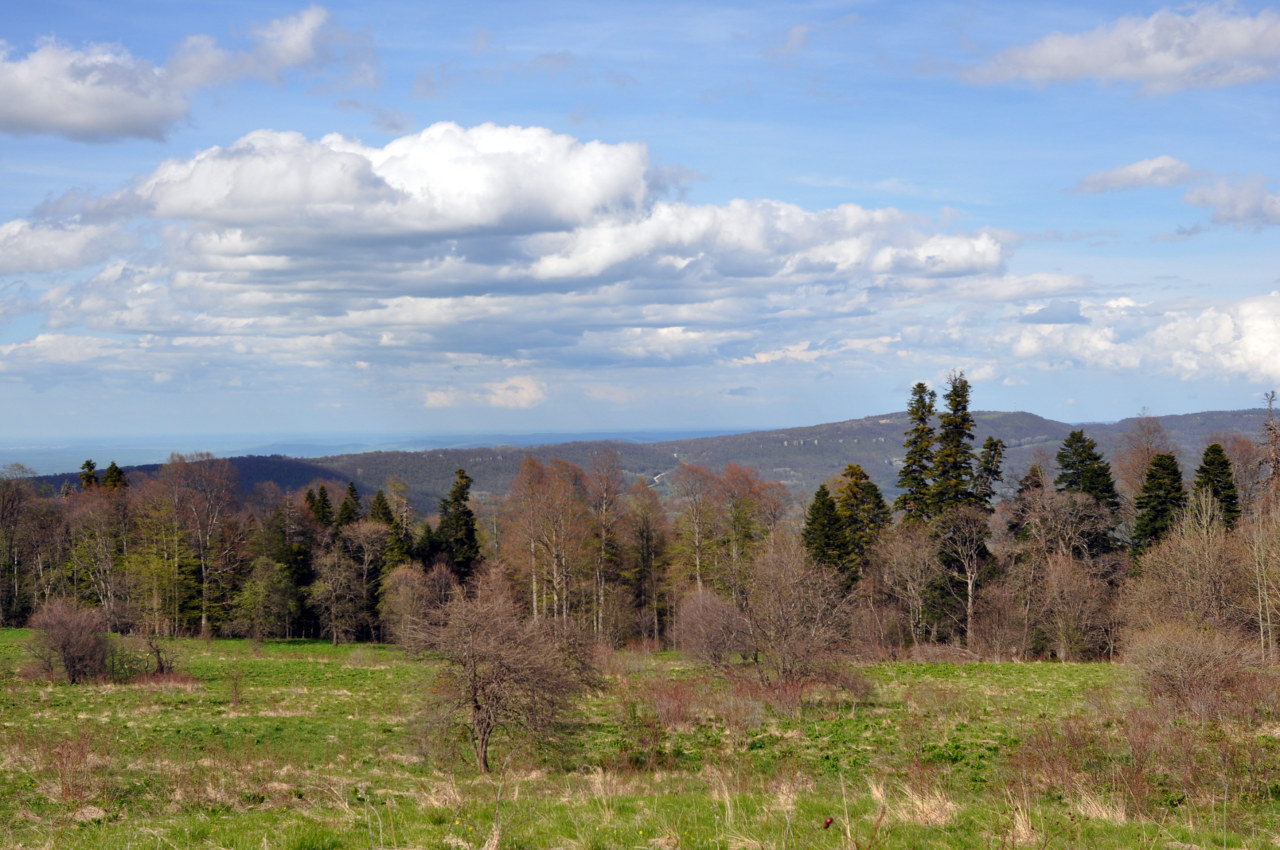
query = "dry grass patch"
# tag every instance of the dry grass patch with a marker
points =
(924, 806)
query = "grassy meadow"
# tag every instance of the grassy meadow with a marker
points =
(304, 746)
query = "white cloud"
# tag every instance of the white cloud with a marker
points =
(797, 40)
(28, 247)
(1157, 171)
(520, 392)
(1206, 47)
(1246, 203)
(102, 91)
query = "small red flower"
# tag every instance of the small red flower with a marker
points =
(827, 825)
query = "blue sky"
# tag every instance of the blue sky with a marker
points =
(278, 218)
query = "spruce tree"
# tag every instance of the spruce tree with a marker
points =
(114, 478)
(349, 510)
(913, 477)
(1083, 470)
(1216, 476)
(321, 508)
(1159, 503)
(380, 508)
(862, 510)
(824, 535)
(989, 472)
(953, 462)
(455, 535)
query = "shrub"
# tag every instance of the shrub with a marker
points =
(70, 638)
(710, 628)
(1199, 669)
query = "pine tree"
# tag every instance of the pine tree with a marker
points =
(1216, 476)
(114, 478)
(321, 509)
(913, 478)
(88, 475)
(953, 462)
(455, 535)
(380, 508)
(824, 535)
(1083, 470)
(989, 472)
(349, 510)
(1159, 503)
(863, 511)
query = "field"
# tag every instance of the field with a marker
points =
(303, 745)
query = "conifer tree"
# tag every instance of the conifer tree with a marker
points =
(1159, 503)
(824, 535)
(455, 535)
(988, 472)
(349, 510)
(863, 511)
(380, 508)
(1083, 470)
(953, 462)
(913, 477)
(1216, 476)
(114, 478)
(88, 475)
(321, 508)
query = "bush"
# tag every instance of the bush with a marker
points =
(70, 638)
(1198, 669)
(710, 628)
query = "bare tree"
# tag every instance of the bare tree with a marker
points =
(962, 534)
(907, 559)
(797, 614)
(1143, 440)
(413, 603)
(1196, 574)
(501, 672)
(710, 628)
(70, 637)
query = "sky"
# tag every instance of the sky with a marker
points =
(274, 218)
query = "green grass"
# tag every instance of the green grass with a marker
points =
(303, 745)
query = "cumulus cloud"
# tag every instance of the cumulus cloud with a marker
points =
(494, 253)
(1207, 47)
(520, 392)
(1157, 171)
(1246, 203)
(102, 91)
(28, 247)
(1232, 340)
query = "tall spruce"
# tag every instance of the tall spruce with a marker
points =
(954, 461)
(349, 511)
(1215, 475)
(113, 477)
(455, 535)
(917, 465)
(824, 535)
(862, 510)
(989, 472)
(1082, 469)
(322, 508)
(1162, 498)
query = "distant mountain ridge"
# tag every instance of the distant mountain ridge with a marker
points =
(800, 457)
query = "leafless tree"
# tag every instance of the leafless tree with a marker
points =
(501, 672)
(1197, 574)
(962, 534)
(710, 628)
(1143, 440)
(797, 614)
(413, 603)
(907, 559)
(70, 637)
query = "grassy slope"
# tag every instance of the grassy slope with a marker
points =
(301, 745)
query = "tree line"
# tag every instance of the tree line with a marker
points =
(1056, 564)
